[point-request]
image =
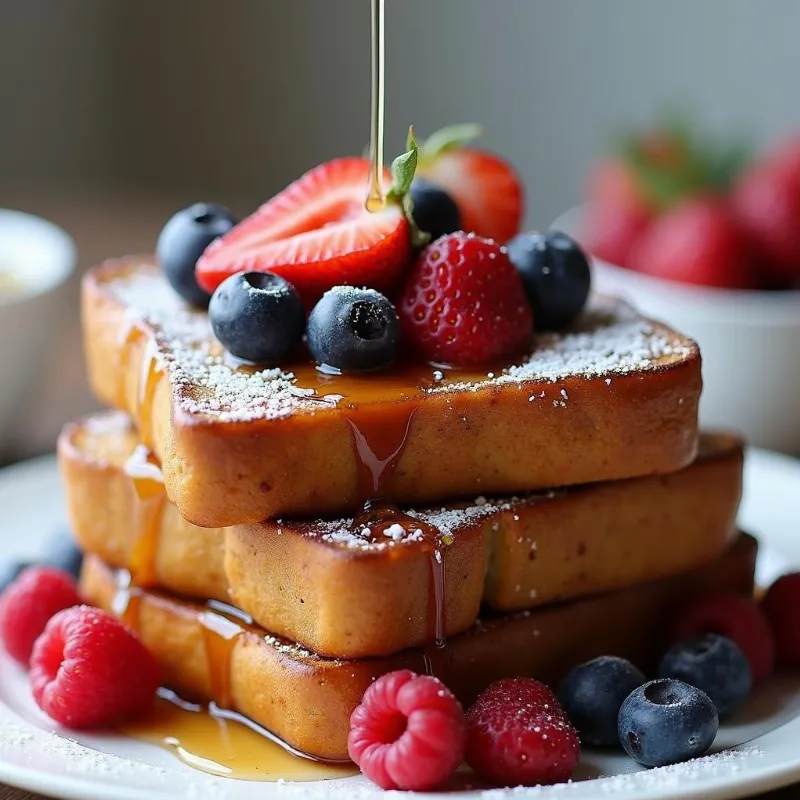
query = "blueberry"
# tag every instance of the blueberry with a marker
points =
(667, 721)
(434, 211)
(353, 330)
(556, 275)
(62, 552)
(592, 694)
(182, 241)
(714, 664)
(257, 316)
(9, 571)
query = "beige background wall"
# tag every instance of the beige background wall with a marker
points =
(235, 97)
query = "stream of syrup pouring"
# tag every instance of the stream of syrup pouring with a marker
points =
(375, 200)
(210, 737)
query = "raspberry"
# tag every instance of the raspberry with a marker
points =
(408, 732)
(28, 603)
(738, 618)
(88, 670)
(464, 303)
(519, 735)
(781, 605)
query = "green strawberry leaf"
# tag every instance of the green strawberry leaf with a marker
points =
(691, 164)
(404, 168)
(446, 138)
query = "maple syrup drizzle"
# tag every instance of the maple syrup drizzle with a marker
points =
(436, 654)
(219, 633)
(211, 737)
(127, 601)
(378, 516)
(148, 485)
(375, 199)
(148, 380)
(379, 441)
(227, 744)
(130, 334)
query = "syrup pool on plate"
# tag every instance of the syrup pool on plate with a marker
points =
(226, 744)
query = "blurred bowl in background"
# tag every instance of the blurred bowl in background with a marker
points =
(36, 260)
(749, 340)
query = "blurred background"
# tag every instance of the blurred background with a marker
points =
(114, 113)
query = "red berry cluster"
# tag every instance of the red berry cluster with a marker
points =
(86, 668)
(669, 208)
(768, 633)
(410, 732)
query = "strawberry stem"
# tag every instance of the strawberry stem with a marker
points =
(404, 168)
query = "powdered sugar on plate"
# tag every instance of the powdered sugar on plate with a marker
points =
(644, 781)
(610, 339)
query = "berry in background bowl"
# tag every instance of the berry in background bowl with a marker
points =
(749, 340)
(705, 235)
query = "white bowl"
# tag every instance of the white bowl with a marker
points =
(36, 259)
(749, 340)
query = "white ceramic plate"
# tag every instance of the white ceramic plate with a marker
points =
(35, 755)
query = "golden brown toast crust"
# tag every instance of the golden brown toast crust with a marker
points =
(307, 700)
(616, 398)
(345, 594)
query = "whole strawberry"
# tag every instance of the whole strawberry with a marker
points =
(464, 303)
(696, 242)
(486, 189)
(766, 201)
(612, 231)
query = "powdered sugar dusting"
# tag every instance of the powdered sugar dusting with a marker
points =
(610, 339)
(197, 363)
(343, 534)
(447, 521)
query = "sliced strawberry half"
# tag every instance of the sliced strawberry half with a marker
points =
(317, 234)
(487, 190)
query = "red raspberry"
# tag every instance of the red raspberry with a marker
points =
(408, 732)
(88, 670)
(781, 605)
(738, 618)
(28, 603)
(519, 735)
(464, 303)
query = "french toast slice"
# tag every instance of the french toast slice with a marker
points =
(306, 699)
(343, 592)
(615, 397)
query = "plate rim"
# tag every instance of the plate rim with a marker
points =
(753, 780)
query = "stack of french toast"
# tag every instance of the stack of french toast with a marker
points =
(281, 537)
